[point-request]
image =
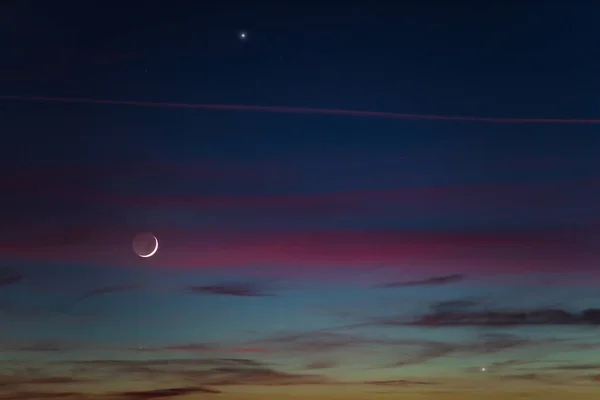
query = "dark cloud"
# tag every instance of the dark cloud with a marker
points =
(574, 367)
(166, 393)
(9, 277)
(419, 352)
(508, 318)
(410, 351)
(38, 395)
(466, 316)
(434, 281)
(166, 362)
(397, 382)
(197, 348)
(535, 377)
(26, 380)
(231, 289)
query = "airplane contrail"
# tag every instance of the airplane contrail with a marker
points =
(304, 110)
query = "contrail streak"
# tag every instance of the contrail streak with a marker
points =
(304, 110)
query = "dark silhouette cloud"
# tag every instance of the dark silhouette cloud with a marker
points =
(574, 367)
(397, 382)
(166, 393)
(465, 315)
(508, 318)
(231, 289)
(32, 383)
(29, 395)
(197, 348)
(434, 281)
(536, 377)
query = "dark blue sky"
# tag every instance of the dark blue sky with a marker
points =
(299, 252)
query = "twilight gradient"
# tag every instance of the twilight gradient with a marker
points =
(310, 273)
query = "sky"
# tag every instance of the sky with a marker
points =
(318, 237)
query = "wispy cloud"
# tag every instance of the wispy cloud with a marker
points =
(165, 393)
(574, 367)
(495, 317)
(397, 382)
(207, 372)
(434, 281)
(202, 348)
(42, 395)
(477, 254)
(231, 289)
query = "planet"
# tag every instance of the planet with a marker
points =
(145, 244)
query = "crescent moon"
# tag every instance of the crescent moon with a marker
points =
(153, 251)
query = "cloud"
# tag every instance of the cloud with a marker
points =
(230, 289)
(166, 393)
(201, 348)
(9, 277)
(549, 379)
(494, 318)
(206, 372)
(331, 251)
(416, 351)
(409, 351)
(574, 367)
(435, 281)
(28, 395)
(508, 318)
(22, 380)
(397, 382)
